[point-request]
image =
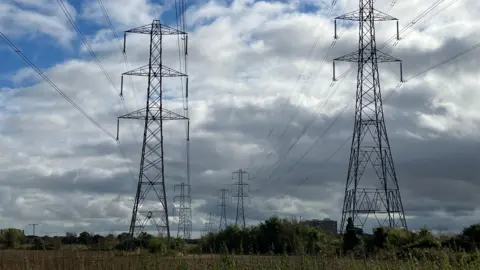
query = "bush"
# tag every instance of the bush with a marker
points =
(38, 244)
(157, 245)
(274, 236)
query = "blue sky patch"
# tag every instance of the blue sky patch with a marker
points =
(44, 51)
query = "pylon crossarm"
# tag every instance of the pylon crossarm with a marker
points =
(355, 57)
(351, 57)
(166, 115)
(384, 57)
(355, 16)
(140, 115)
(164, 71)
(156, 28)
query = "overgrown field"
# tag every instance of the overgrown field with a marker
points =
(86, 260)
(274, 244)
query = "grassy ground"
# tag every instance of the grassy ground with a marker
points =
(89, 260)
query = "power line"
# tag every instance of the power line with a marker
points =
(310, 86)
(55, 87)
(446, 61)
(299, 78)
(312, 120)
(117, 39)
(127, 66)
(77, 29)
(389, 94)
(185, 216)
(94, 56)
(423, 14)
(65, 96)
(105, 73)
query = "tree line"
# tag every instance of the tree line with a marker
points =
(12, 238)
(273, 236)
(285, 236)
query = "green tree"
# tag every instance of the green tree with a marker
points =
(12, 237)
(471, 235)
(70, 238)
(84, 238)
(274, 236)
(425, 239)
(38, 244)
(144, 239)
(108, 242)
(157, 245)
(270, 235)
(398, 237)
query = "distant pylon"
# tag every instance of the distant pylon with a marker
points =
(183, 211)
(151, 180)
(240, 195)
(209, 224)
(379, 193)
(34, 225)
(223, 209)
(185, 226)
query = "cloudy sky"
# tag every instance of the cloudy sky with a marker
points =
(260, 78)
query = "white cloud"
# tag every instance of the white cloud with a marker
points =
(29, 18)
(122, 13)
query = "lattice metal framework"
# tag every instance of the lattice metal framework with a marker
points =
(151, 193)
(240, 195)
(186, 215)
(223, 209)
(209, 224)
(370, 156)
(183, 210)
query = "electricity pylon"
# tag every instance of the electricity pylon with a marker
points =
(379, 193)
(183, 211)
(151, 192)
(240, 195)
(223, 209)
(209, 224)
(34, 225)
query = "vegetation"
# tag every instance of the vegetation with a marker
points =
(273, 244)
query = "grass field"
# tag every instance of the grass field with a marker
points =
(86, 260)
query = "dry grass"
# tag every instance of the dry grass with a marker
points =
(89, 260)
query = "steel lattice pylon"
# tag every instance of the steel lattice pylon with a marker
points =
(223, 209)
(208, 225)
(240, 195)
(184, 211)
(370, 154)
(151, 193)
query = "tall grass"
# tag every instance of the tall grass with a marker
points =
(102, 260)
